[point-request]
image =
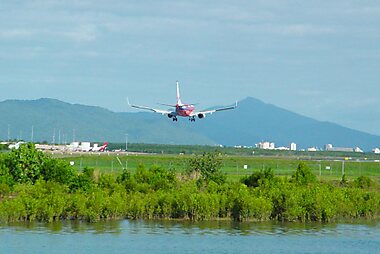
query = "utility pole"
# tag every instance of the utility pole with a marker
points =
(342, 168)
(126, 142)
(9, 132)
(32, 138)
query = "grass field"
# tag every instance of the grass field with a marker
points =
(233, 166)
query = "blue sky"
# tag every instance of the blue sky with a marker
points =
(317, 58)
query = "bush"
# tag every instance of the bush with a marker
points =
(209, 167)
(156, 178)
(303, 175)
(27, 165)
(363, 182)
(260, 177)
(57, 170)
(24, 164)
(83, 181)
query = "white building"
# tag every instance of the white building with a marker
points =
(85, 146)
(74, 146)
(330, 147)
(282, 148)
(376, 150)
(312, 149)
(293, 146)
(266, 145)
(358, 150)
(95, 147)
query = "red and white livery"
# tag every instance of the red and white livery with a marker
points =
(100, 148)
(183, 110)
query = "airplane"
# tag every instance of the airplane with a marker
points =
(16, 145)
(181, 109)
(100, 148)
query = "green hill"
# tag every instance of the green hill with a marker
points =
(253, 121)
(89, 123)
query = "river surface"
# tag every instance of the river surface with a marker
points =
(186, 237)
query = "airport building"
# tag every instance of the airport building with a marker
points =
(271, 146)
(266, 145)
(282, 148)
(376, 150)
(358, 150)
(330, 147)
(341, 149)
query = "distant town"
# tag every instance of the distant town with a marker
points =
(267, 145)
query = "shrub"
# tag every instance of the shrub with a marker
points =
(83, 181)
(24, 164)
(209, 167)
(258, 178)
(303, 175)
(27, 165)
(156, 178)
(363, 182)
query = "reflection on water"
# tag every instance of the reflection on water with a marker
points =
(189, 237)
(189, 227)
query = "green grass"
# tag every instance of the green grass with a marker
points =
(200, 149)
(233, 166)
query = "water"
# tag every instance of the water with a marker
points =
(186, 237)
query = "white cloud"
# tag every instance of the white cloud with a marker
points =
(16, 34)
(81, 33)
(304, 29)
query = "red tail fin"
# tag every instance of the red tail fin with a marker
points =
(103, 147)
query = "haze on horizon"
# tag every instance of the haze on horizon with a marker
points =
(317, 58)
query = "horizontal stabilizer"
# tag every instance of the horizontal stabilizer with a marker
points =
(169, 105)
(163, 112)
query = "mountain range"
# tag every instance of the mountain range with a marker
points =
(253, 121)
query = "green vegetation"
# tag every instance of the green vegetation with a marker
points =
(3, 147)
(27, 165)
(208, 167)
(36, 187)
(258, 178)
(240, 151)
(232, 166)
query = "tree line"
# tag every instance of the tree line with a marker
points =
(37, 187)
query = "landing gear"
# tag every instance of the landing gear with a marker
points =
(175, 119)
(192, 119)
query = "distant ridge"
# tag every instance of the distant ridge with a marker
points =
(259, 121)
(253, 121)
(89, 123)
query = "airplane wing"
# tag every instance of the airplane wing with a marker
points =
(205, 112)
(162, 112)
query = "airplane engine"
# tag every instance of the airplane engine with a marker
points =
(200, 116)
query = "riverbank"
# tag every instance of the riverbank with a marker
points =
(109, 200)
(36, 187)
